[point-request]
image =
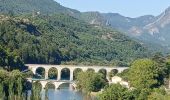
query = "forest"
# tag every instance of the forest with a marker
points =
(62, 39)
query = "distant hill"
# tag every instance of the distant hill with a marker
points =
(43, 31)
(152, 31)
(61, 38)
(34, 6)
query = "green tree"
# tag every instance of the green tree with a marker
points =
(90, 81)
(75, 73)
(17, 83)
(12, 84)
(36, 89)
(10, 61)
(142, 94)
(144, 73)
(2, 94)
(124, 74)
(52, 73)
(4, 82)
(159, 94)
(161, 60)
(117, 92)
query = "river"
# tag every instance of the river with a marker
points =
(65, 93)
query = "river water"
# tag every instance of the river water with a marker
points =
(65, 93)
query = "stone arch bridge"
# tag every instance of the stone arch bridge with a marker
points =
(72, 68)
(56, 83)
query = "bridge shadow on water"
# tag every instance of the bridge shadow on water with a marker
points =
(65, 94)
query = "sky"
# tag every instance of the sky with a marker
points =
(128, 8)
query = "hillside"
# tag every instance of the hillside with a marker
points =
(33, 6)
(153, 31)
(63, 39)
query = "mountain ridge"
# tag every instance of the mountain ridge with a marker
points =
(147, 28)
(137, 28)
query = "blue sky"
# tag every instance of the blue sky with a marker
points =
(129, 8)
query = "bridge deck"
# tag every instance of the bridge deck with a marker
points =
(50, 80)
(69, 66)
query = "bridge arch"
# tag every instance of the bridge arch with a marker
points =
(53, 73)
(75, 72)
(37, 85)
(50, 85)
(65, 74)
(72, 86)
(113, 72)
(103, 72)
(40, 72)
(91, 69)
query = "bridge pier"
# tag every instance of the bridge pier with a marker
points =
(46, 74)
(56, 85)
(107, 76)
(43, 84)
(71, 75)
(59, 74)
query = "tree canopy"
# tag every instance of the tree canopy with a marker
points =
(90, 81)
(116, 92)
(12, 85)
(60, 38)
(145, 77)
(10, 61)
(144, 73)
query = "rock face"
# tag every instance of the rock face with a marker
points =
(148, 29)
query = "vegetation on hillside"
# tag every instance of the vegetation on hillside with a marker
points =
(134, 27)
(60, 39)
(33, 6)
(9, 60)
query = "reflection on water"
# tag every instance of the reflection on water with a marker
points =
(65, 93)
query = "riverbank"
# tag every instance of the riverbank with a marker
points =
(95, 93)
